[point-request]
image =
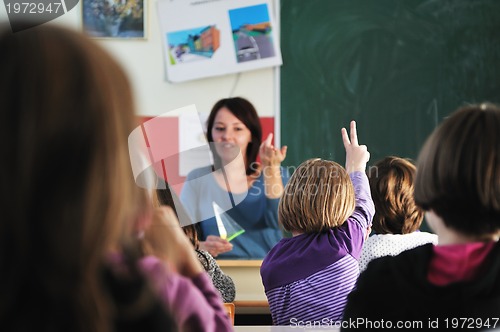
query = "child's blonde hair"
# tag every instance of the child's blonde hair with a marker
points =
(319, 196)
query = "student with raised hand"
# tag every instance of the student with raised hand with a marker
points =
(397, 218)
(68, 199)
(248, 191)
(453, 284)
(327, 209)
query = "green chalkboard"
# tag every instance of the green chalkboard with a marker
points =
(398, 67)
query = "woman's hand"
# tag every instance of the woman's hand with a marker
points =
(169, 243)
(271, 159)
(270, 155)
(356, 156)
(215, 245)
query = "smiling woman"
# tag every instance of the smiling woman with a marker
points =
(237, 187)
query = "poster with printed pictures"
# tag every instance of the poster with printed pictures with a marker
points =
(204, 38)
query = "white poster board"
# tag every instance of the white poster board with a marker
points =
(204, 38)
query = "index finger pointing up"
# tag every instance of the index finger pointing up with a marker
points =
(354, 134)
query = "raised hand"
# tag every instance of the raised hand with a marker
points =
(356, 156)
(271, 159)
(270, 155)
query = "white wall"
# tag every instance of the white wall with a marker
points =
(143, 60)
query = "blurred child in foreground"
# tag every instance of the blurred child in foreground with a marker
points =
(458, 185)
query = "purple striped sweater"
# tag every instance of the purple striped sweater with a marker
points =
(307, 277)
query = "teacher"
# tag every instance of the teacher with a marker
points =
(237, 187)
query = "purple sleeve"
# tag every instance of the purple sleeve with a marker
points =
(195, 303)
(357, 224)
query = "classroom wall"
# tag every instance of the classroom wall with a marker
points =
(143, 60)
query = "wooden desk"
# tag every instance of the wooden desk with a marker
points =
(250, 295)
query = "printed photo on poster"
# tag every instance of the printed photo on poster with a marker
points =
(120, 19)
(251, 33)
(193, 45)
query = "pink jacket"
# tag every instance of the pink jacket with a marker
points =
(194, 303)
